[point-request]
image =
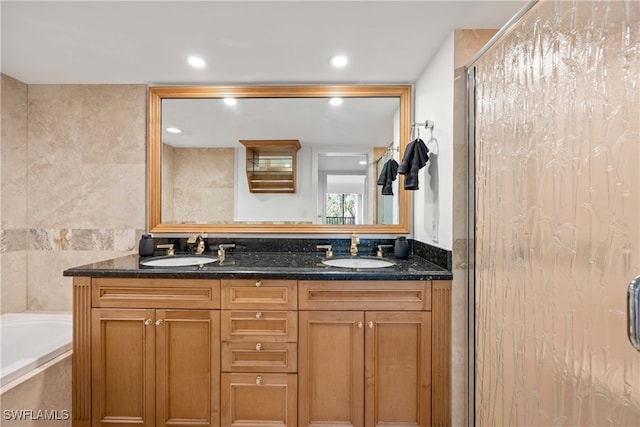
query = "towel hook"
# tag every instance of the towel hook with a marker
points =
(415, 128)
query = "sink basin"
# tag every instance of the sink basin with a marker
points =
(358, 262)
(178, 261)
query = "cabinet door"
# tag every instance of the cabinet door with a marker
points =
(122, 369)
(398, 369)
(331, 368)
(188, 366)
(259, 400)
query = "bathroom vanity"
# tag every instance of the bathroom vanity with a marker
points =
(261, 339)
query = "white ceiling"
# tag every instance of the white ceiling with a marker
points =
(242, 41)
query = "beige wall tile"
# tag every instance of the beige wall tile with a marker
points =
(203, 185)
(13, 199)
(468, 44)
(14, 282)
(48, 289)
(87, 156)
(13, 154)
(48, 390)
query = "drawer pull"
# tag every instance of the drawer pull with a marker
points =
(258, 346)
(159, 322)
(360, 324)
(258, 314)
(258, 380)
(148, 322)
(370, 324)
(258, 283)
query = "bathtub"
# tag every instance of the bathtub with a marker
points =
(31, 339)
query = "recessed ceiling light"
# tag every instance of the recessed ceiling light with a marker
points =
(362, 162)
(173, 130)
(335, 101)
(196, 62)
(230, 101)
(339, 61)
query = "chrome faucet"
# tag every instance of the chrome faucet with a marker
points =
(355, 240)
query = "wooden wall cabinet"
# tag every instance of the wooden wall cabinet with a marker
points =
(271, 165)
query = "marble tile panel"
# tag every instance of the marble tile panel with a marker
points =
(468, 43)
(13, 240)
(113, 123)
(13, 276)
(49, 239)
(90, 197)
(47, 288)
(54, 132)
(13, 153)
(47, 390)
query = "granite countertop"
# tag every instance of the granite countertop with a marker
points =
(266, 265)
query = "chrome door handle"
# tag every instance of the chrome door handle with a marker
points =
(633, 312)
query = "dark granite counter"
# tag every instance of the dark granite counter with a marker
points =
(266, 265)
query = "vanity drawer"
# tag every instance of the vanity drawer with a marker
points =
(259, 294)
(259, 400)
(155, 293)
(365, 295)
(259, 357)
(259, 326)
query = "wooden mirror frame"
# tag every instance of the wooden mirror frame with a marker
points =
(154, 152)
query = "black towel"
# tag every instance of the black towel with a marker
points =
(387, 176)
(415, 157)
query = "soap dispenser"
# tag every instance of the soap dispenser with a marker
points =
(401, 248)
(147, 245)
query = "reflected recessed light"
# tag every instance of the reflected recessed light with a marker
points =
(335, 101)
(230, 101)
(362, 162)
(196, 62)
(339, 61)
(173, 130)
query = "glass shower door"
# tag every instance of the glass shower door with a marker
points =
(557, 217)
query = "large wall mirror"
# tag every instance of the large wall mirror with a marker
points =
(197, 169)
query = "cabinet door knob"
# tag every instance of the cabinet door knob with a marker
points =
(148, 322)
(159, 322)
(258, 283)
(258, 380)
(370, 324)
(359, 323)
(258, 346)
(258, 314)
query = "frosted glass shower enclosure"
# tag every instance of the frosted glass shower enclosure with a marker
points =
(555, 216)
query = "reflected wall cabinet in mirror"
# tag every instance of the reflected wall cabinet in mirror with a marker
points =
(200, 137)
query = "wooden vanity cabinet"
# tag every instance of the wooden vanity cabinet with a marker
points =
(154, 360)
(186, 352)
(382, 372)
(259, 333)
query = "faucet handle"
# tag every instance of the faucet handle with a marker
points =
(222, 247)
(380, 251)
(329, 250)
(169, 247)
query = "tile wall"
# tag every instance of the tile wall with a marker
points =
(73, 184)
